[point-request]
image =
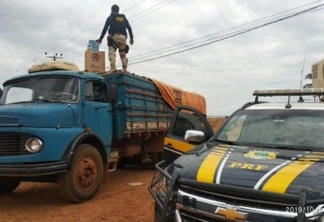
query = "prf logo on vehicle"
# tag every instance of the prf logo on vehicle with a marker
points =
(261, 155)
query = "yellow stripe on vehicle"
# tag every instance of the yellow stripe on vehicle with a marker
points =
(314, 156)
(318, 153)
(178, 145)
(220, 152)
(222, 148)
(281, 180)
(207, 170)
(309, 159)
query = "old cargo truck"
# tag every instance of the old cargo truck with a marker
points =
(59, 124)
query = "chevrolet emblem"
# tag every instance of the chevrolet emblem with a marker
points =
(231, 214)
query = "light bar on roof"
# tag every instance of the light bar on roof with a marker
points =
(290, 92)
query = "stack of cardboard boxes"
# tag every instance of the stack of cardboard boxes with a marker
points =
(94, 59)
(92, 45)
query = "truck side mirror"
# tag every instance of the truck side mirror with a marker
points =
(194, 136)
(1, 92)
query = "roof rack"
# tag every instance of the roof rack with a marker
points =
(289, 92)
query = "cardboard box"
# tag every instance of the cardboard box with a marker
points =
(95, 61)
(92, 45)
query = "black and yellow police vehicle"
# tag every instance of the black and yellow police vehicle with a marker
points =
(266, 164)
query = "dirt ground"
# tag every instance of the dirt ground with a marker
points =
(117, 201)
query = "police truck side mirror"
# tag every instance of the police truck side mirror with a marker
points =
(194, 136)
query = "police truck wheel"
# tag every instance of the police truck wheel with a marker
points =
(84, 178)
(8, 184)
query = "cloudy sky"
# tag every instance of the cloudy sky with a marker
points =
(225, 72)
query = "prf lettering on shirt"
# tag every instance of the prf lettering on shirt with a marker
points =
(119, 19)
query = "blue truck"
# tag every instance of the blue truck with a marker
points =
(71, 127)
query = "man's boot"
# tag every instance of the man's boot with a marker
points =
(112, 69)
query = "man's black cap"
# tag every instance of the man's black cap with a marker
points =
(115, 8)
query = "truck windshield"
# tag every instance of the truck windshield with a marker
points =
(295, 129)
(45, 89)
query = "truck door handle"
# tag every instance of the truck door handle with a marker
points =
(101, 107)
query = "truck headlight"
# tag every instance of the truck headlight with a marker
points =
(33, 145)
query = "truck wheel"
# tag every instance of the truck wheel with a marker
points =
(83, 180)
(8, 184)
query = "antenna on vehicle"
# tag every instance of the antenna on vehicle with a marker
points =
(300, 100)
(55, 57)
(302, 73)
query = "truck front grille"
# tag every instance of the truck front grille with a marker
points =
(187, 216)
(206, 202)
(236, 200)
(10, 144)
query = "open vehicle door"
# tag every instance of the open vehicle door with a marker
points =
(188, 128)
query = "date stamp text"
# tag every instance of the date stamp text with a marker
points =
(307, 209)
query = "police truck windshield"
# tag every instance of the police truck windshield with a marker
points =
(295, 129)
(46, 89)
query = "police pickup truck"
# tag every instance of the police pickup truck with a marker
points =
(266, 163)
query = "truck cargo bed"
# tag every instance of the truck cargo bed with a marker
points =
(139, 106)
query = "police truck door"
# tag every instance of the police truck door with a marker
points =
(184, 118)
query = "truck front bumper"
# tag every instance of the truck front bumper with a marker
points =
(29, 170)
(199, 202)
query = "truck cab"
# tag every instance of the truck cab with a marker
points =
(55, 126)
(264, 164)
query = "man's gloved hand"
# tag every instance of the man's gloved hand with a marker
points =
(98, 41)
(131, 41)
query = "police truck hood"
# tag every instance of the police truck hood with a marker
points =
(283, 171)
(42, 115)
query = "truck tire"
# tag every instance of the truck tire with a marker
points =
(83, 180)
(8, 184)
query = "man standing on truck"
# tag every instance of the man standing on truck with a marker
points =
(117, 37)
